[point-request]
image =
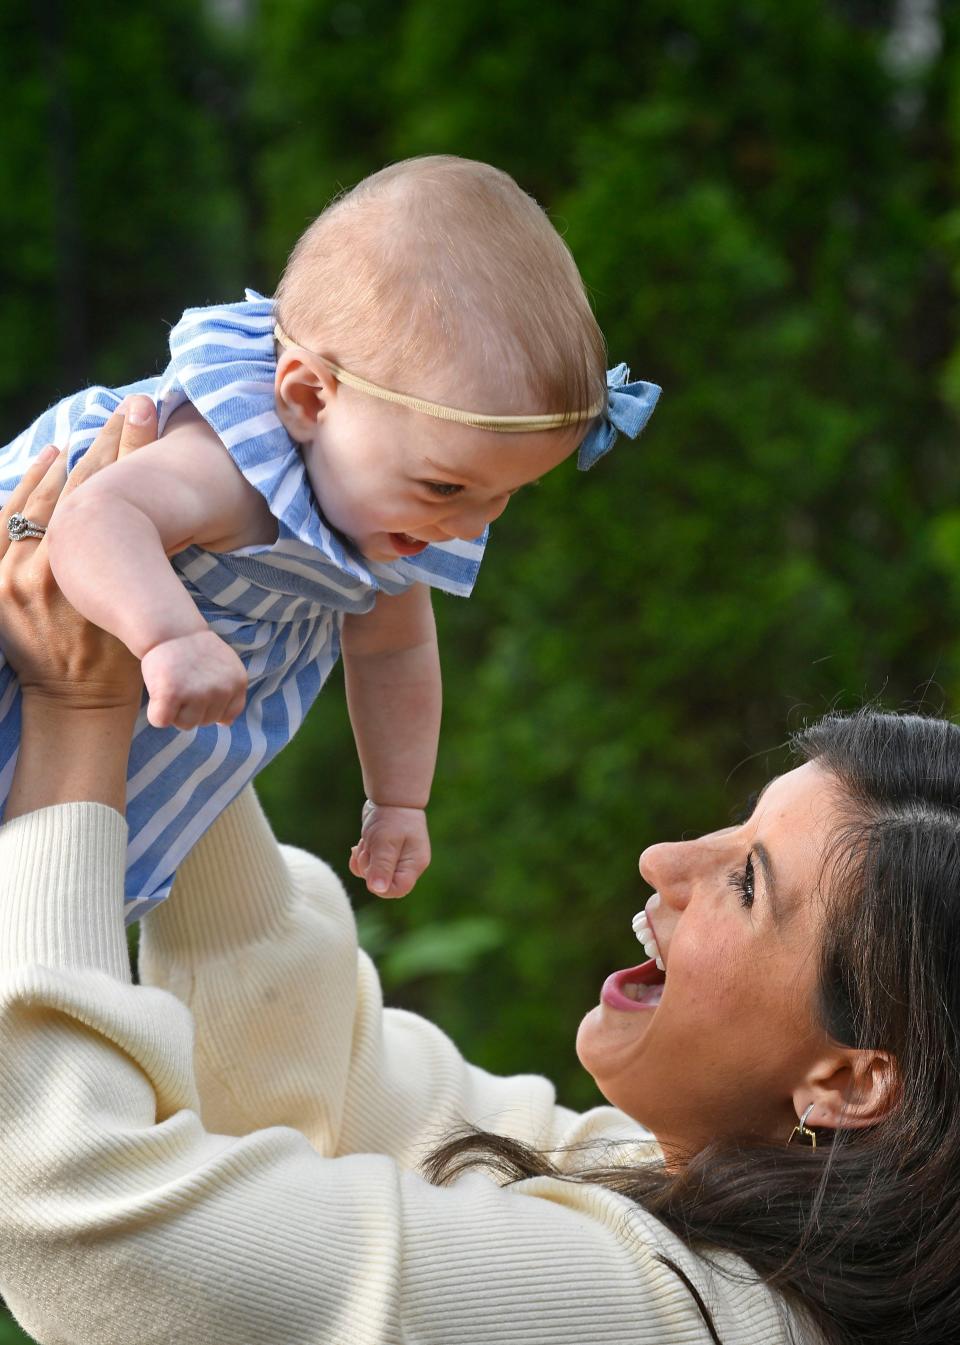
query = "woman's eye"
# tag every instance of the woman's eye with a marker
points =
(443, 487)
(742, 883)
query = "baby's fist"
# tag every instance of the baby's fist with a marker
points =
(193, 680)
(393, 849)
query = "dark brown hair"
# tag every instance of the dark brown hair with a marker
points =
(862, 1234)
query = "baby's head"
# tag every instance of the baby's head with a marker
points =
(437, 278)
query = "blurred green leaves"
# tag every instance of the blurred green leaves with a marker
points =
(449, 947)
(765, 210)
(10, 1333)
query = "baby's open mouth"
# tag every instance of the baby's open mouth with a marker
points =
(405, 545)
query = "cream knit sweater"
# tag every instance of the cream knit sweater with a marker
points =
(226, 1155)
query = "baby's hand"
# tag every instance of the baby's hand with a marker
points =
(393, 849)
(192, 680)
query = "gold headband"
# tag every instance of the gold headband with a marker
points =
(476, 420)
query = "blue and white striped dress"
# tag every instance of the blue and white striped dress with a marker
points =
(280, 606)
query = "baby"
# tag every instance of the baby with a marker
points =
(323, 460)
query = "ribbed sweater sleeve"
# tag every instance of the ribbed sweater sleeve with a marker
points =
(260, 942)
(125, 1221)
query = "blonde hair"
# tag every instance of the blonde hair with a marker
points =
(440, 260)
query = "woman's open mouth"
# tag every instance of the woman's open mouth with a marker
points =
(634, 988)
(639, 987)
(405, 545)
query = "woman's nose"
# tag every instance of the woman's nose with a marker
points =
(668, 867)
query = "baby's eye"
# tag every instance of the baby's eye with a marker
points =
(443, 487)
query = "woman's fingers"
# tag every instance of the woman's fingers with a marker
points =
(39, 505)
(52, 648)
(22, 568)
(103, 450)
(16, 501)
(139, 425)
(133, 424)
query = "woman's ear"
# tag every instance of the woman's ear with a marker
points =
(303, 392)
(850, 1092)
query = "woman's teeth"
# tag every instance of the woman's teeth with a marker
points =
(641, 927)
(650, 994)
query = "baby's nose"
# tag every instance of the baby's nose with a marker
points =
(470, 523)
(464, 532)
(496, 507)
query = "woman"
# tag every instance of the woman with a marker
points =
(800, 1069)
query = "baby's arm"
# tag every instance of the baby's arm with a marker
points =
(392, 670)
(109, 548)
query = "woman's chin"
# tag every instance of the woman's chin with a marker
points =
(598, 1040)
(608, 1044)
(584, 1034)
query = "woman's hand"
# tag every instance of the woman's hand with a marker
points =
(81, 687)
(55, 652)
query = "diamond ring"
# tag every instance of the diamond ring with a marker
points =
(19, 528)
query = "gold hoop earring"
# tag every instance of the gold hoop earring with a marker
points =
(802, 1133)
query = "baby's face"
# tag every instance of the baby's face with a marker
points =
(394, 480)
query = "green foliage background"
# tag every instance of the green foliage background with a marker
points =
(763, 201)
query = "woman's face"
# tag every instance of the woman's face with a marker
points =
(738, 928)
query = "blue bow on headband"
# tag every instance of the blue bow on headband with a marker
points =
(629, 407)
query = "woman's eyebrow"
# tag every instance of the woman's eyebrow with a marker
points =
(769, 880)
(750, 807)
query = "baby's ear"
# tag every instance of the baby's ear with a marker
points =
(303, 391)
